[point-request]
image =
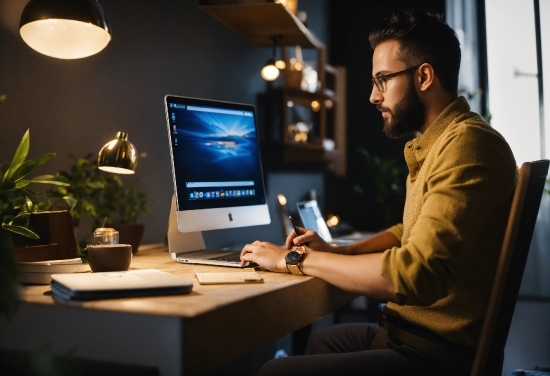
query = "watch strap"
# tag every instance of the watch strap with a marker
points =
(295, 269)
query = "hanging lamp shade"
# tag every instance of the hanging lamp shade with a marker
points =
(118, 156)
(65, 29)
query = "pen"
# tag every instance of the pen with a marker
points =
(294, 226)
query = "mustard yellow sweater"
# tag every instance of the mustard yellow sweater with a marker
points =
(462, 174)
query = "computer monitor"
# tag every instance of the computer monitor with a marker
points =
(216, 165)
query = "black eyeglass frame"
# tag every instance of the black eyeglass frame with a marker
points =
(379, 81)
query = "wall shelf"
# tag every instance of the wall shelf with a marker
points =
(259, 23)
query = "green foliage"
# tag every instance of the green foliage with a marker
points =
(388, 179)
(99, 195)
(16, 207)
(84, 186)
(119, 204)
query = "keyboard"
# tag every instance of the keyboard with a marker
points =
(234, 257)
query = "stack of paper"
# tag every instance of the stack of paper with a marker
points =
(39, 272)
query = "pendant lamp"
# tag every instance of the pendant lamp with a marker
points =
(65, 29)
(270, 72)
(118, 156)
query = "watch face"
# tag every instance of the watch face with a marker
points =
(293, 257)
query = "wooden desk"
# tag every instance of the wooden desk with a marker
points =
(181, 335)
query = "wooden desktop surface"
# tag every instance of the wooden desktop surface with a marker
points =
(220, 322)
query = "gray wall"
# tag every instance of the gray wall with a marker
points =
(159, 47)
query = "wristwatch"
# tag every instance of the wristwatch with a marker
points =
(293, 259)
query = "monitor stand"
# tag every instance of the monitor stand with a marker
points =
(181, 242)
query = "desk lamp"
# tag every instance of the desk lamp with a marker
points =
(118, 156)
(65, 29)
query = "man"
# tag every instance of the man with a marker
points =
(436, 269)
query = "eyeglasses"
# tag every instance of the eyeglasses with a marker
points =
(380, 81)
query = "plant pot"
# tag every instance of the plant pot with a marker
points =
(57, 240)
(129, 234)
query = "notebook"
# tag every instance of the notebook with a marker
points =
(108, 285)
(312, 219)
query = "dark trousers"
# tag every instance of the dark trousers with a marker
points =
(363, 349)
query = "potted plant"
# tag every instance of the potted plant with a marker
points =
(16, 208)
(102, 198)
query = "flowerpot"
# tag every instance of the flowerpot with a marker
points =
(57, 240)
(129, 234)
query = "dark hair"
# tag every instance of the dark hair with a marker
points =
(423, 38)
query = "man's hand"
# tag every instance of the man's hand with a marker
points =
(309, 238)
(265, 254)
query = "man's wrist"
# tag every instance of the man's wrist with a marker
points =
(294, 259)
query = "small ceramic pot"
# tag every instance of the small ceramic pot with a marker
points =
(109, 257)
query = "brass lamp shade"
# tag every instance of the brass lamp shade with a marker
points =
(118, 156)
(65, 29)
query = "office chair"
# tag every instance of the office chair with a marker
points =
(517, 239)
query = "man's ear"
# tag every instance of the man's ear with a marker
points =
(426, 76)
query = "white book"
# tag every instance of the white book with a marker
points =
(39, 273)
(54, 266)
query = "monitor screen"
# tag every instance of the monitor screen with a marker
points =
(216, 166)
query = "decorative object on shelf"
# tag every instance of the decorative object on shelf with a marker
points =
(291, 5)
(299, 132)
(293, 75)
(270, 71)
(118, 156)
(65, 29)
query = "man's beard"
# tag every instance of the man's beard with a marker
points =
(408, 115)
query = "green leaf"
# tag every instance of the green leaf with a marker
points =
(20, 155)
(21, 183)
(23, 203)
(30, 165)
(19, 215)
(71, 201)
(21, 231)
(96, 185)
(48, 179)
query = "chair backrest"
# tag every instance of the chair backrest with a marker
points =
(517, 240)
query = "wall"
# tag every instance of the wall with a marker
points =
(159, 47)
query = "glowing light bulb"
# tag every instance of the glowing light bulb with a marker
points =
(270, 72)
